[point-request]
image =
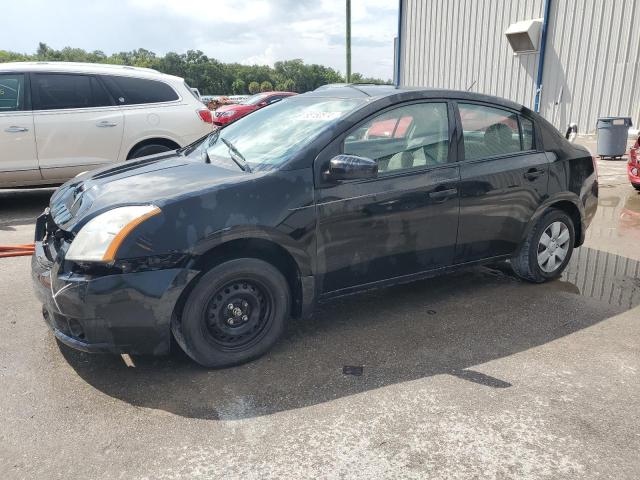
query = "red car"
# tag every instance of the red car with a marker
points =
(633, 167)
(229, 113)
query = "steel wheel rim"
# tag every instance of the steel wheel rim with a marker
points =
(238, 315)
(553, 247)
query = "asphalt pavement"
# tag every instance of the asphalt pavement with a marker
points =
(470, 375)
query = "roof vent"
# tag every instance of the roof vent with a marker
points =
(524, 36)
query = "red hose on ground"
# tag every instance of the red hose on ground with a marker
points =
(25, 250)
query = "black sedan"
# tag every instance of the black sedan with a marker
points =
(220, 243)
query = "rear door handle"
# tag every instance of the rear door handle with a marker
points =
(16, 129)
(106, 124)
(443, 194)
(533, 173)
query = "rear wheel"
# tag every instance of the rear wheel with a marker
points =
(637, 187)
(235, 313)
(150, 149)
(547, 249)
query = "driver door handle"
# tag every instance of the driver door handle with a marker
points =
(16, 129)
(443, 194)
(106, 124)
(533, 173)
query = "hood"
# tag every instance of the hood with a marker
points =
(156, 179)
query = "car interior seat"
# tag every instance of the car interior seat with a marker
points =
(498, 139)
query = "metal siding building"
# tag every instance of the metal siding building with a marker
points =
(591, 64)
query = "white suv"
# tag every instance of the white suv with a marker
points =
(60, 119)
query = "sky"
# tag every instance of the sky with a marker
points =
(244, 31)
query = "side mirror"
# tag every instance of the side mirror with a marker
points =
(351, 167)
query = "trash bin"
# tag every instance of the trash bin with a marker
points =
(612, 136)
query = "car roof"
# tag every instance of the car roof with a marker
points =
(277, 93)
(376, 92)
(78, 67)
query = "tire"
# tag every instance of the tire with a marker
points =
(527, 265)
(150, 149)
(216, 336)
(637, 187)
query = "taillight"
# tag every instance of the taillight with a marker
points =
(633, 156)
(205, 115)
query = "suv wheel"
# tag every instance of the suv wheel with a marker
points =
(235, 313)
(547, 249)
(150, 149)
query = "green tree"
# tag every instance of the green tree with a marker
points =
(238, 86)
(254, 87)
(287, 85)
(208, 75)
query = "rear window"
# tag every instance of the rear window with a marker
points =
(55, 91)
(135, 91)
(11, 92)
(527, 134)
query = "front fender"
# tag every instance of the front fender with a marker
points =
(297, 251)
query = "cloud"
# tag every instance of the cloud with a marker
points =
(247, 31)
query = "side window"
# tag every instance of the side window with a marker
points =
(100, 96)
(54, 91)
(406, 137)
(135, 91)
(527, 134)
(11, 92)
(274, 99)
(488, 131)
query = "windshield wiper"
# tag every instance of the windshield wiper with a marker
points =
(187, 149)
(236, 156)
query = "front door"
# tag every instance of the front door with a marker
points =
(404, 221)
(78, 126)
(503, 181)
(18, 158)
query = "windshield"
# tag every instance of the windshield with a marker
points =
(270, 136)
(254, 99)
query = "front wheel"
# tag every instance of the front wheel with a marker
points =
(637, 187)
(234, 314)
(547, 249)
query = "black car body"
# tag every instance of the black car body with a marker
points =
(329, 229)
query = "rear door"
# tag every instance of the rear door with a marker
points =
(18, 158)
(78, 126)
(503, 180)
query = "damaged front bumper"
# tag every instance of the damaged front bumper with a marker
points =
(104, 311)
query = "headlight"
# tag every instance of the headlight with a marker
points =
(99, 239)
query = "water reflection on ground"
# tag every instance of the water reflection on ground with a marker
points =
(604, 276)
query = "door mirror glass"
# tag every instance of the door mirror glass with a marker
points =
(351, 167)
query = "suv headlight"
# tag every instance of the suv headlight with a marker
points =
(100, 238)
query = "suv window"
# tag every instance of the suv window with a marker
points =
(11, 92)
(489, 131)
(406, 137)
(135, 91)
(55, 91)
